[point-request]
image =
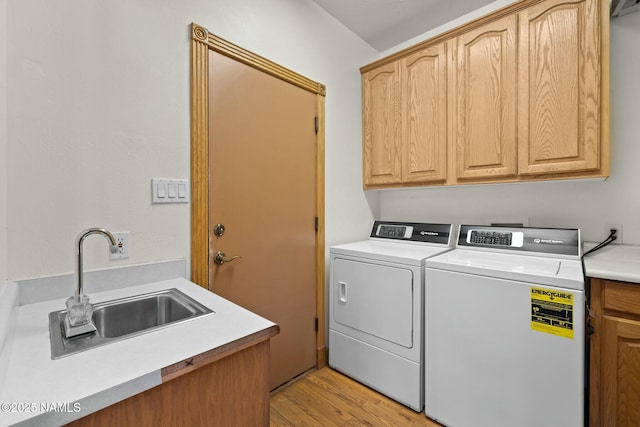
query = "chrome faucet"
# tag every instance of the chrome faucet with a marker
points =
(113, 247)
(78, 319)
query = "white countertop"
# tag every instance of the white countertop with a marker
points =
(614, 262)
(104, 375)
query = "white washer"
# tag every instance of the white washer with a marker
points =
(505, 329)
(375, 308)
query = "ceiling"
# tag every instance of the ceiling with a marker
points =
(386, 23)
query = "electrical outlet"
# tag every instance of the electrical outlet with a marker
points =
(122, 240)
(618, 228)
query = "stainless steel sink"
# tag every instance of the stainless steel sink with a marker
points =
(124, 318)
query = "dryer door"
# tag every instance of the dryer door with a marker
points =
(374, 299)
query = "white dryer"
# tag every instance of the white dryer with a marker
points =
(505, 329)
(376, 312)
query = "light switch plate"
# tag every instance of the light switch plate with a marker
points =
(170, 190)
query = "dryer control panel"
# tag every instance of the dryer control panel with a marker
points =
(397, 231)
(413, 232)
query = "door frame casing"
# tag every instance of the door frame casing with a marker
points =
(201, 42)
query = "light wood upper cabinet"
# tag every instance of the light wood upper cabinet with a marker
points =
(381, 126)
(424, 115)
(520, 94)
(559, 81)
(483, 93)
(405, 120)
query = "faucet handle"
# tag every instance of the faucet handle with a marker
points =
(78, 320)
(79, 312)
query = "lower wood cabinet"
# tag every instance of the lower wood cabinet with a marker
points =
(208, 390)
(615, 354)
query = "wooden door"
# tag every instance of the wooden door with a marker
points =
(262, 189)
(559, 80)
(424, 116)
(381, 126)
(484, 95)
(620, 372)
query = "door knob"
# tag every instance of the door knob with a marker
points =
(220, 258)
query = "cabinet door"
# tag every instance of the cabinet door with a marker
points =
(559, 78)
(620, 372)
(381, 126)
(424, 116)
(483, 93)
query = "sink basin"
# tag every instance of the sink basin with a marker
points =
(138, 314)
(124, 318)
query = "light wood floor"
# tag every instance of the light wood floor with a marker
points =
(327, 398)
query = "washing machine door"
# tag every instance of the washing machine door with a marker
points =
(370, 299)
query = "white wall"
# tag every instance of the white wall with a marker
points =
(3, 140)
(485, 10)
(98, 104)
(585, 204)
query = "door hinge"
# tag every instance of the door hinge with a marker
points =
(316, 223)
(316, 324)
(316, 125)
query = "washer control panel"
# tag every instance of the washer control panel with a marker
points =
(495, 238)
(556, 241)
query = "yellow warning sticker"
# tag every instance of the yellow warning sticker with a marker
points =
(552, 312)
